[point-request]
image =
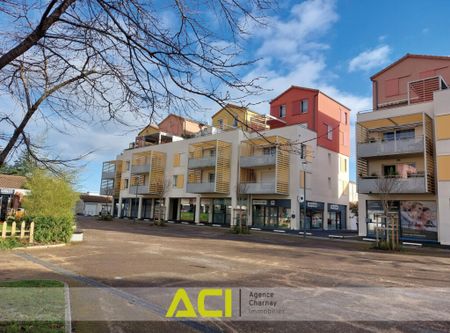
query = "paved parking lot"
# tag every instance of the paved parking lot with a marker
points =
(125, 254)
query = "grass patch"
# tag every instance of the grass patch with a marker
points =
(32, 306)
(10, 243)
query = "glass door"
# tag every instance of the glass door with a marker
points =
(271, 216)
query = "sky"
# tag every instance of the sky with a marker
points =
(332, 45)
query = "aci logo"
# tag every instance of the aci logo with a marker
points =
(181, 296)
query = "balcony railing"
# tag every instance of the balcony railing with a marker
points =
(394, 147)
(256, 161)
(144, 168)
(257, 188)
(140, 189)
(375, 185)
(204, 162)
(108, 174)
(200, 187)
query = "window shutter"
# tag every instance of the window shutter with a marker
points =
(180, 181)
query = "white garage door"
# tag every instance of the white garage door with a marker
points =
(90, 209)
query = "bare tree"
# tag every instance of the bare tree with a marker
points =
(163, 188)
(101, 60)
(385, 186)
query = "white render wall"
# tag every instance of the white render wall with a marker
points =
(324, 164)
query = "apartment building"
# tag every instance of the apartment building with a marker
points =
(403, 150)
(224, 174)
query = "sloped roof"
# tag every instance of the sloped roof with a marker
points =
(236, 107)
(310, 89)
(406, 56)
(183, 118)
(12, 181)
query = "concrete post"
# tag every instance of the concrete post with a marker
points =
(152, 208)
(139, 213)
(119, 209)
(197, 209)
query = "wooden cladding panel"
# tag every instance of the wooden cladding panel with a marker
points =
(118, 178)
(429, 153)
(282, 172)
(363, 167)
(223, 164)
(194, 176)
(158, 165)
(177, 159)
(362, 134)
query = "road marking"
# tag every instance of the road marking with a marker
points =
(156, 309)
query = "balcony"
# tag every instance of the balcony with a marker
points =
(412, 184)
(258, 188)
(394, 147)
(141, 189)
(257, 161)
(144, 168)
(200, 187)
(204, 162)
(109, 174)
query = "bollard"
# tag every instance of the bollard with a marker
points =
(5, 225)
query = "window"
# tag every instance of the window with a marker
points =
(127, 167)
(329, 183)
(405, 134)
(125, 183)
(178, 181)
(389, 136)
(174, 181)
(269, 151)
(235, 121)
(345, 118)
(329, 132)
(304, 106)
(343, 164)
(282, 111)
(329, 158)
(212, 177)
(220, 123)
(389, 170)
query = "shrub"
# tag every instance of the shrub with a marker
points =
(50, 229)
(240, 229)
(105, 217)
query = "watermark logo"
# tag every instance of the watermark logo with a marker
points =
(182, 297)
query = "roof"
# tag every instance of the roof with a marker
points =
(406, 56)
(149, 125)
(12, 181)
(310, 89)
(237, 107)
(183, 118)
(95, 198)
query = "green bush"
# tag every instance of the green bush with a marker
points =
(48, 229)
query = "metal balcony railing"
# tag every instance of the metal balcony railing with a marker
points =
(257, 188)
(375, 185)
(204, 162)
(256, 161)
(200, 187)
(381, 148)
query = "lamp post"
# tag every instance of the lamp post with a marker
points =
(304, 162)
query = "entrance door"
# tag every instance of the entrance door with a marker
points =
(174, 209)
(271, 216)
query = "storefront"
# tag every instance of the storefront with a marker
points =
(215, 211)
(417, 219)
(314, 215)
(337, 217)
(272, 214)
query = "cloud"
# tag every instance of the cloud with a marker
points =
(370, 59)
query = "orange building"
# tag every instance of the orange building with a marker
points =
(316, 111)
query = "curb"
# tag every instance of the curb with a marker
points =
(67, 308)
(38, 247)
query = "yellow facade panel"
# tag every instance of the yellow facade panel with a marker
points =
(443, 168)
(443, 127)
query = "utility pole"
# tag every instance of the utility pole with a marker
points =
(303, 156)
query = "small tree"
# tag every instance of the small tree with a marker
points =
(163, 187)
(51, 206)
(385, 186)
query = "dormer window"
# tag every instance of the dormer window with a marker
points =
(282, 111)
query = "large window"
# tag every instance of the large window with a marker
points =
(399, 135)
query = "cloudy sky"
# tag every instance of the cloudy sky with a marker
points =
(331, 45)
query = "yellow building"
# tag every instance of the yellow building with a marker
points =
(234, 116)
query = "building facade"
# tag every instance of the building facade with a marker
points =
(223, 175)
(403, 150)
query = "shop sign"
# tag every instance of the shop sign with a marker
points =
(333, 207)
(260, 202)
(272, 202)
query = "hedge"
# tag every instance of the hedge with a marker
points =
(51, 229)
